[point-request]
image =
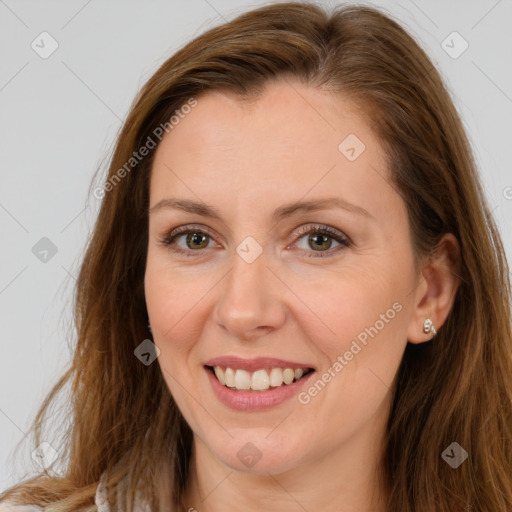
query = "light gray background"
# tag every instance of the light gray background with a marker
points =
(60, 115)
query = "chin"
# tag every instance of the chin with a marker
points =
(258, 453)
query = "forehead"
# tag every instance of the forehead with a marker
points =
(293, 141)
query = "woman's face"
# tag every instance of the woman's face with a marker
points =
(260, 288)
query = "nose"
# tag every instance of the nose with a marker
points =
(250, 304)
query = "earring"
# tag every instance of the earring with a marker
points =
(428, 327)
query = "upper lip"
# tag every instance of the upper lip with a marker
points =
(252, 365)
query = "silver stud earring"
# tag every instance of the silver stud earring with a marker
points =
(428, 327)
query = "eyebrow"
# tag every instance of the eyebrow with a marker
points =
(205, 210)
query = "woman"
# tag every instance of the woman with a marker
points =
(295, 296)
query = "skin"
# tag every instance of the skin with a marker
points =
(247, 160)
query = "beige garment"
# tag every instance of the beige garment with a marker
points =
(101, 499)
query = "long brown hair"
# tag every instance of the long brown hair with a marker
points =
(457, 388)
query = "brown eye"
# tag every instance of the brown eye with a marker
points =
(320, 240)
(194, 240)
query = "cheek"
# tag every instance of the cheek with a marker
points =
(170, 294)
(354, 384)
(170, 304)
(343, 304)
(165, 309)
(362, 334)
(174, 302)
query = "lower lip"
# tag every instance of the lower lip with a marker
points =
(255, 400)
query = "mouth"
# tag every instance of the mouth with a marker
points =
(259, 380)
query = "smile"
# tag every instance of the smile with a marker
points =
(259, 380)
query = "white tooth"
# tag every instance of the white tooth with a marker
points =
(299, 372)
(276, 377)
(288, 375)
(229, 377)
(219, 372)
(260, 380)
(242, 379)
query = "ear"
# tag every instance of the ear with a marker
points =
(435, 294)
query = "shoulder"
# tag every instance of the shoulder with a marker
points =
(7, 506)
(99, 500)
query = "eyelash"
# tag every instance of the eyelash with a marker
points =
(168, 240)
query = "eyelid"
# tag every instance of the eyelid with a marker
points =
(170, 236)
(187, 228)
(344, 240)
(325, 229)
